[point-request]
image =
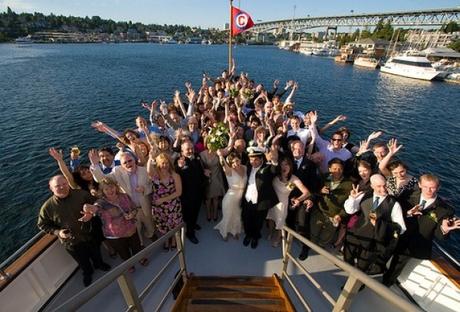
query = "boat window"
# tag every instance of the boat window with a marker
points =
(418, 64)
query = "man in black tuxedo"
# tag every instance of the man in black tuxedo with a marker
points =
(306, 171)
(189, 167)
(259, 195)
(427, 217)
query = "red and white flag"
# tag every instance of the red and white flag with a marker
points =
(241, 21)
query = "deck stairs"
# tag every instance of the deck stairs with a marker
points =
(236, 293)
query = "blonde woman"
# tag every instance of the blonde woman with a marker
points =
(166, 205)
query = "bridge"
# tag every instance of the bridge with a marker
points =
(435, 17)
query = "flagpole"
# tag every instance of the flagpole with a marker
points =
(230, 38)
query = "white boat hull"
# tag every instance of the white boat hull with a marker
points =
(410, 73)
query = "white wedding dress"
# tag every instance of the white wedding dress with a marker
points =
(279, 212)
(231, 205)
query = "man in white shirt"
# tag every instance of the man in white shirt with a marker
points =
(330, 150)
(373, 239)
(259, 195)
(427, 217)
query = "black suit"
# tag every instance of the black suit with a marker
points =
(253, 215)
(417, 241)
(193, 185)
(307, 173)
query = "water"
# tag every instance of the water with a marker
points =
(49, 94)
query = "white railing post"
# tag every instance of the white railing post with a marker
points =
(346, 296)
(129, 292)
(179, 236)
(287, 243)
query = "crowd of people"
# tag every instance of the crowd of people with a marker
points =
(234, 146)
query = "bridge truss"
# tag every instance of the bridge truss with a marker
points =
(435, 17)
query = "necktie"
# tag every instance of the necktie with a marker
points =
(298, 163)
(422, 204)
(375, 204)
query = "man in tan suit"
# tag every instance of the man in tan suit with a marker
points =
(134, 181)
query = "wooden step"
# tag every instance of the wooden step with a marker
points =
(233, 292)
(230, 305)
(233, 280)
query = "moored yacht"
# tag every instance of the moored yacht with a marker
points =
(366, 61)
(417, 67)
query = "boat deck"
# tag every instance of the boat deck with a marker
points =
(215, 257)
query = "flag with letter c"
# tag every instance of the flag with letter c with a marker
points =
(241, 21)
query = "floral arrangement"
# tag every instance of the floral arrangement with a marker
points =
(218, 137)
(233, 93)
(248, 93)
(433, 216)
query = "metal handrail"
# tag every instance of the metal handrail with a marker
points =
(355, 279)
(21, 250)
(125, 281)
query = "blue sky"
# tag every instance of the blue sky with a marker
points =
(213, 13)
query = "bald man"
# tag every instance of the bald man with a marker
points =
(373, 239)
(60, 216)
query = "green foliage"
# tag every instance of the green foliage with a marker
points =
(383, 31)
(455, 45)
(450, 27)
(14, 25)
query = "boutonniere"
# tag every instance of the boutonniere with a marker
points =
(198, 157)
(304, 167)
(433, 216)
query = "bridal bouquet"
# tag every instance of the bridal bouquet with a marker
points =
(218, 137)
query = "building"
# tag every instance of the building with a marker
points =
(375, 47)
(421, 39)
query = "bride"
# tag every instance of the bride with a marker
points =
(231, 203)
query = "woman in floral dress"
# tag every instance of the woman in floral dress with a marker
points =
(166, 206)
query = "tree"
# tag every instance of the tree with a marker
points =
(455, 45)
(450, 27)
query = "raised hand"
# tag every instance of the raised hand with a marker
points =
(57, 155)
(363, 147)
(339, 118)
(393, 147)
(93, 157)
(355, 193)
(276, 84)
(374, 135)
(313, 116)
(99, 126)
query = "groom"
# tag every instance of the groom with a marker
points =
(259, 195)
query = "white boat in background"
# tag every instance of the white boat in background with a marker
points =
(306, 51)
(366, 61)
(24, 40)
(417, 67)
(321, 52)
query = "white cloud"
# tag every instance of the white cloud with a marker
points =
(16, 5)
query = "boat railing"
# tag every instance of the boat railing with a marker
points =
(6, 276)
(355, 278)
(131, 295)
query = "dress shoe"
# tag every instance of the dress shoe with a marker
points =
(193, 239)
(197, 227)
(246, 240)
(104, 267)
(87, 280)
(254, 243)
(304, 253)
